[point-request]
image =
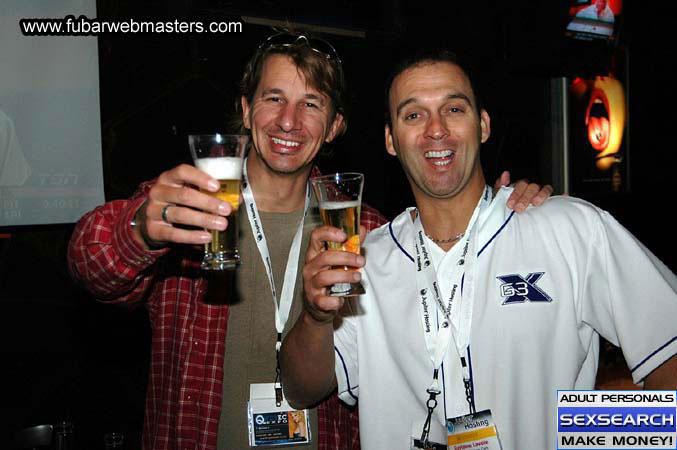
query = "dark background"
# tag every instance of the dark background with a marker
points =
(64, 355)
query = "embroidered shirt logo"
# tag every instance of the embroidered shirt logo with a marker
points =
(518, 289)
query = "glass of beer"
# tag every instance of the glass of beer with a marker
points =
(340, 198)
(221, 156)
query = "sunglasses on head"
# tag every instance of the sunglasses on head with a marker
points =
(285, 40)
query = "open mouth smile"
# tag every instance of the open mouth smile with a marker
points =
(284, 143)
(440, 157)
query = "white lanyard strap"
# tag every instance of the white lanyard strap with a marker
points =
(462, 291)
(281, 311)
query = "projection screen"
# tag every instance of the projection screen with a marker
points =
(50, 132)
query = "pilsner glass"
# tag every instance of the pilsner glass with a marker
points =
(340, 200)
(220, 156)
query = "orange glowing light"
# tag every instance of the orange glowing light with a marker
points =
(605, 120)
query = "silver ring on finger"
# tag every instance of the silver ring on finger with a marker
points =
(164, 213)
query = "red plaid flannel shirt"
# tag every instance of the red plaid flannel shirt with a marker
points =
(183, 402)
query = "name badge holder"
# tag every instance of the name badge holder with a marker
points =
(273, 424)
(268, 410)
(476, 431)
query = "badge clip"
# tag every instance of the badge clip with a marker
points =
(429, 445)
(279, 397)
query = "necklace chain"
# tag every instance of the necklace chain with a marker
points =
(446, 241)
(442, 241)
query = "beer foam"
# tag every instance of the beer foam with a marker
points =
(221, 168)
(339, 205)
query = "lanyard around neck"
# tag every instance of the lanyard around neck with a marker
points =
(437, 339)
(286, 297)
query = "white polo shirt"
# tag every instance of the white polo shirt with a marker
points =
(548, 281)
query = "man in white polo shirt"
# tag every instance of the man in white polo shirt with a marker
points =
(469, 307)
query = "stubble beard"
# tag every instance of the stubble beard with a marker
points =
(283, 172)
(456, 187)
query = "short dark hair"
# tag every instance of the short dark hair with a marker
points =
(322, 71)
(429, 56)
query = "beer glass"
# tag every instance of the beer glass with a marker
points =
(221, 156)
(340, 198)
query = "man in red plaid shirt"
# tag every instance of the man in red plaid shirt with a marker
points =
(210, 340)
